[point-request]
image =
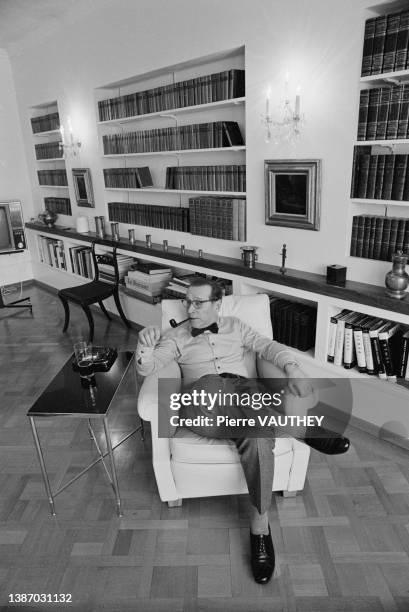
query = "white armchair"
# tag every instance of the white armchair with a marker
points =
(188, 465)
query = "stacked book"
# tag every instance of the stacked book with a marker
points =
(207, 178)
(106, 266)
(146, 281)
(293, 323)
(81, 261)
(200, 90)
(45, 123)
(58, 205)
(164, 217)
(194, 136)
(384, 113)
(48, 150)
(386, 43)
(218, 217)
(379, 177)
(52, 177)
(52, 252)
(371, 345)
(128, 178)
(379, 237)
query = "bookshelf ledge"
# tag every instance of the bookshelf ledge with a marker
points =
(157, 190)
(176, 111)
(380, 202)
(178, 151)
(356, 292)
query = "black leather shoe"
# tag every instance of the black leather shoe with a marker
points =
(328, 442)
(262, 557)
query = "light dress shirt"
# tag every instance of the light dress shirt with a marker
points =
(211, 353)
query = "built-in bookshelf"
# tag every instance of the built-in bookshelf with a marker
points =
(380, 172)
(49, 155)
(303, 303)
(185, 126)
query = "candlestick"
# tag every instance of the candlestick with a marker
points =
(268, 101)
(286, 81)
(297, 102)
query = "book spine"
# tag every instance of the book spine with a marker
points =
(368, 46)
(359, 349)
(339, 342)
(363, 113)
(348, 346)
(379, 44)
(378, 238)
(370, 368)
(332, 331)
(404, 356)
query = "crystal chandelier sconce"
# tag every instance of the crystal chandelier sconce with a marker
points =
(70, 146)
(285, 125)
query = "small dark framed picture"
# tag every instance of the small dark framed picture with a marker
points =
(83, 187)
(293, 192)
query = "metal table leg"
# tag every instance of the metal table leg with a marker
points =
(42, 465)
(113, 470)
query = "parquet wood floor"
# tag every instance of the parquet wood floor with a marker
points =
(343, 545)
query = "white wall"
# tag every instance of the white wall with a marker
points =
(14, 183)
(319, 42)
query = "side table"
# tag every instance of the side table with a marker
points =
(66, 397)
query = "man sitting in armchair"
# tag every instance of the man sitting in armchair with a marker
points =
(210, 352)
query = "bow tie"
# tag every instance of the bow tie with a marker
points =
(196, 331)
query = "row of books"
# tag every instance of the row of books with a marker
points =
(128, 178)
(163, 217)
(193, 136)
(81, 261)
(293, 323)
(217, 217)
(48, 150)
(371, 345)
(61, 206)
(45, 123)
(230, 177)
(380, 177)
(384, 113)
(52, 177)
(52, 252)
(200, 90)
(379, 237)
(386, 42)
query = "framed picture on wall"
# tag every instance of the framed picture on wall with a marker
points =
(293, 193)
(83, 187)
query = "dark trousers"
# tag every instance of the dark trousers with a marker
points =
(255, 445)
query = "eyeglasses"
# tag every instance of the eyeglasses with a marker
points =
(197, 304)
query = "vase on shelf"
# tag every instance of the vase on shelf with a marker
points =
(397, 280)
(48, 217)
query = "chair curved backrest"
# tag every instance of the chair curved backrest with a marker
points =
(105, 259)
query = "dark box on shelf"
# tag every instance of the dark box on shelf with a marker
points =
(336, 275)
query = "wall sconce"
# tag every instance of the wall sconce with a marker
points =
(287, 125)
(69, 145)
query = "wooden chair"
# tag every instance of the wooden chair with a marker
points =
(94, 292)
